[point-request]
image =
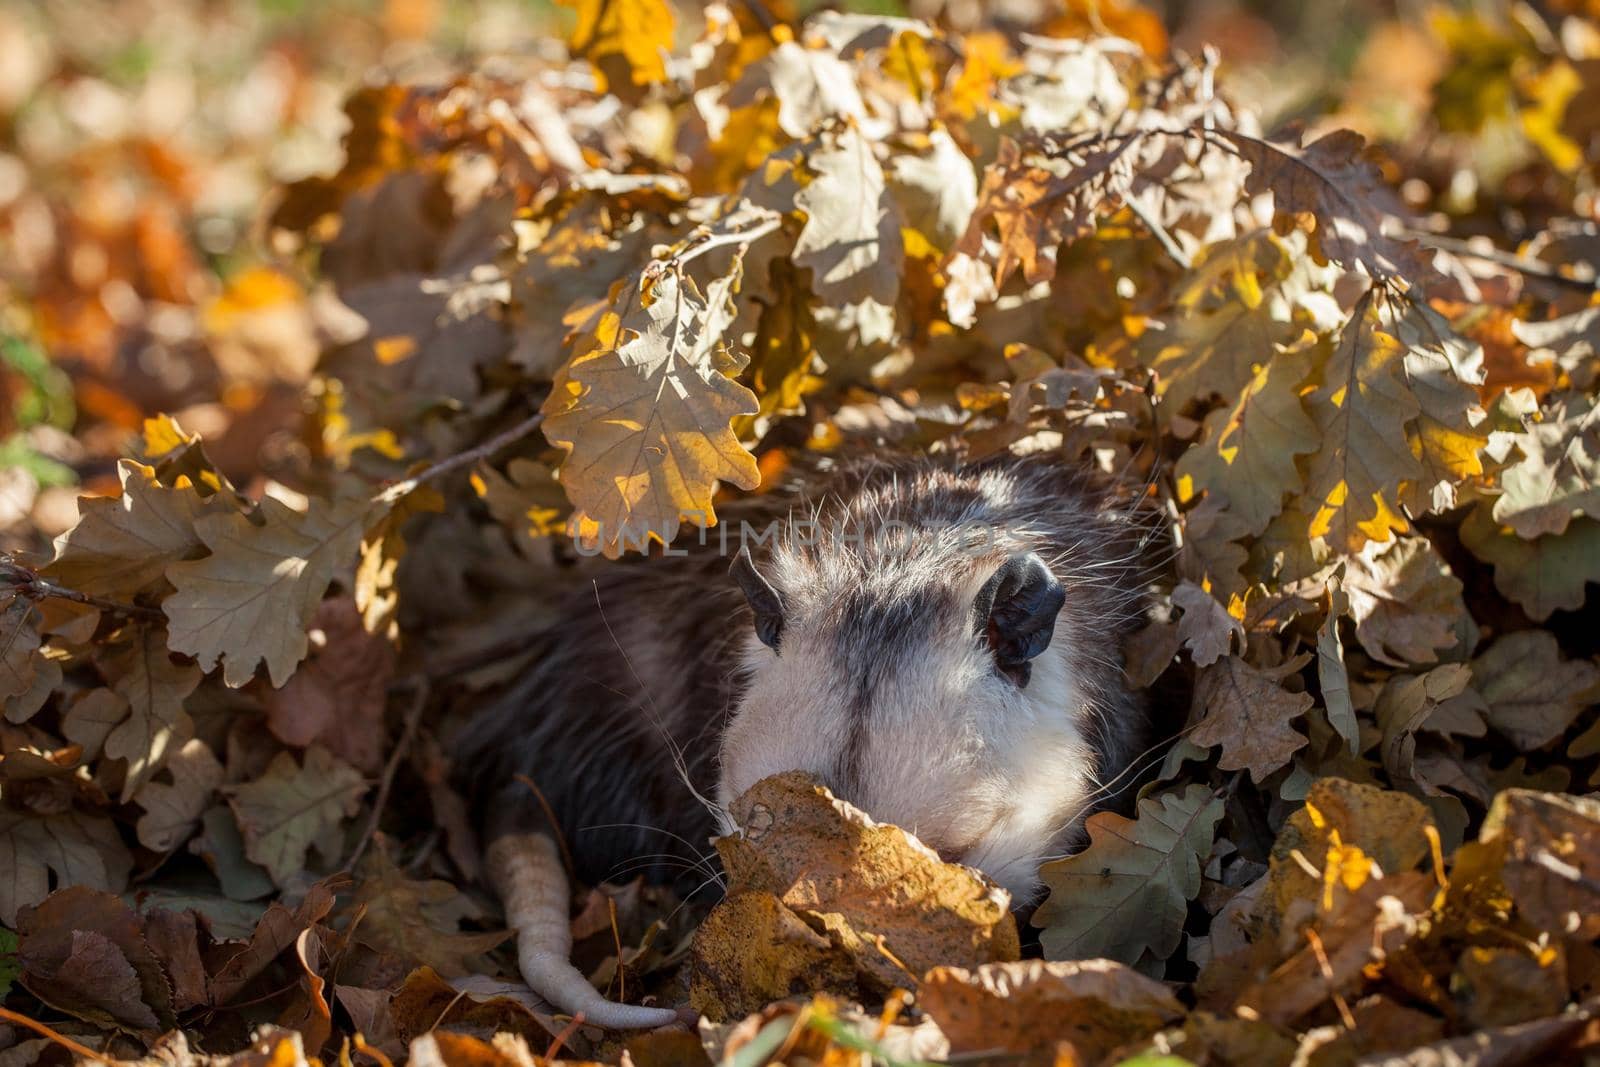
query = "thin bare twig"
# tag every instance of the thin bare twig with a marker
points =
(419, 702)
(81, 1051)
(1533, 268)
(1151, 223)
(460, 459)
(28, 583)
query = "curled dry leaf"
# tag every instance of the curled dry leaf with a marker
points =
(291, 806)
(871, 891)
(253, 598)
(1033, 1008)
(1250, 714)
(643, 411)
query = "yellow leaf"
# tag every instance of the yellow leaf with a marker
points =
(645, 422)
(640, 31)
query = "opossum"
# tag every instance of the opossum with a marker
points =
(939, 643)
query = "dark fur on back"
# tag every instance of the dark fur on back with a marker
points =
(648, 649)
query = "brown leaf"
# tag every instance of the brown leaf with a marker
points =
(122, 545)
(1387, 826)
(1330, 187)
(417, 920)
(337, 697)
(752, 950)
(290, 806)
(1406, 601)
(1032, 1007)
(1250, 714)
(172, 812)
(1364, 928)
(1552, 858)
(893, 904)
(235, 966)
(82, 850)
(254, 596)
(1534, 695)
(84, 953)
(174, 938)
(142, 674)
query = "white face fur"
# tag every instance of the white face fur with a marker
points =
(924, 731)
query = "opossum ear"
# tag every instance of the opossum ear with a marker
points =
(764, 600)
(1016, 612)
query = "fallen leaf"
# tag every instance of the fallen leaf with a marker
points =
(337, 697)
(417, 919)
(1250, 714)
(643, 415)
(1127, 893)
(752, 950)
(1534, 694)
(1030, 1008)
(254, 596)
(80, 850)
(290, 806)
(121, 546)
(172, 812)
(851, 241)
(873, 889)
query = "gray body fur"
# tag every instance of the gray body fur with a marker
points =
(662, 648)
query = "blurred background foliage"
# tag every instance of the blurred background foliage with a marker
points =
(143, 144)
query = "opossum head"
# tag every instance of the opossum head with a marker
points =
(935, 691)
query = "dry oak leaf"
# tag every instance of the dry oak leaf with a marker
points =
(172, 812)
(1361, 412)
(253, 597)
(1033, 206)
(1250, 714)
(1534, 695)
(1544, 575)
(1231, 314)
(1558, 477)
(1249, 448)
(154, 688)
(291, 806)
(640, 31)
(851, 240)
(1551, 848)
(1406, 602)
(1363, 930)
(84, 952)
(873, 888)
(1441, 369)
(81, 850)
(1031, 1007)
(119, 546)
(1205, 626)
(1386, 826)
(1330, 188)
(1126, 895)
(810, 85)
(644, 413)
(19, 641)
(752, 950)
(1572, 341)
(1333, 677)
(416, 919)
(338, 695)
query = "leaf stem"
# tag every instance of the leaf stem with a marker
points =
(461, 459)
(81, 1051)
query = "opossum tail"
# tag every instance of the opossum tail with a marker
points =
(525, 870)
